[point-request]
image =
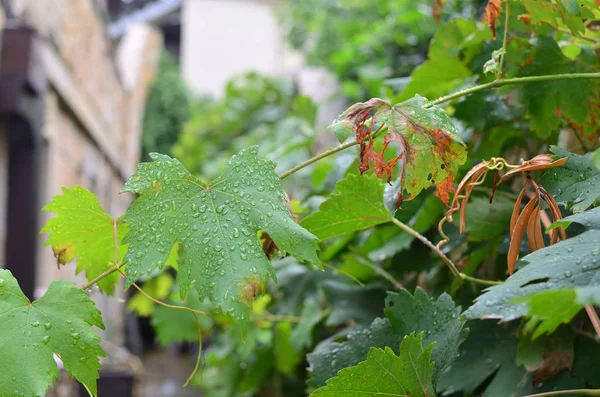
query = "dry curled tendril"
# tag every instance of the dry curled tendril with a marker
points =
(529, 219)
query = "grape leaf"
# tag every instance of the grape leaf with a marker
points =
(84, 230)
(428, 142)
(441, 321)
(574, 262)
(356, 204)
(384, 373)
(549, 309)
(60, 323)
(330, 357)
(575, 184)
(216, 226)
(487, 220)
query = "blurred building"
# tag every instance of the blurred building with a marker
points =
(216, 40)
(71, 107)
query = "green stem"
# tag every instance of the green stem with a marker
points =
(458, 94)
(581, 392)
(101, 276)
(504, 41)
(317, 158)
(480, 281)
(429, 244)
(514, 80)
(378, 270)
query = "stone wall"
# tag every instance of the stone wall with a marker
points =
(93, 117)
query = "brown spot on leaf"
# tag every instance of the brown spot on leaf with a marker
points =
(251, 287)
(525, 18)
(64, 253)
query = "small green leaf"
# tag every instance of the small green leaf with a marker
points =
(330, 357)
(549, 309)
(384, 373)
(356, 204)
(311, 315)
(575, 184)
(216, 226)
(60, 323)
(82, 229)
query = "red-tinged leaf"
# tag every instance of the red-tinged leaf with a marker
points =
(492, 12)
(428, 147)
(517, 235)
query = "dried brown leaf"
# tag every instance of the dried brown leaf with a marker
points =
(492, 12)
(539, 162)
(534, 230)
(517, 235)
(517, 208)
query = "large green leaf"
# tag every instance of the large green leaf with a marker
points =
(384, 373)
(570, 263)
(576, 184)
(356, 204)
(216, 225)
(60, 322)
(82, 229)
(441, 321)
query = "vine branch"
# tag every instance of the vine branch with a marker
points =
(505, 40)
(457, 94)
(581, 392)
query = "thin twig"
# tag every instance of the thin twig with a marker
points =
(581, 36)
(591, 312)
(198, 358)
(377, 269)
(581, 392)
(104, 274)
(504, 41)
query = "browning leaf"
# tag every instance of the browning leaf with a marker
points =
(517, 209)
(429, 149)
(534, 230)
(492, 11)
(517, 234)
(539, 162)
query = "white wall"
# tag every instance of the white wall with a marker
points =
(224, 38)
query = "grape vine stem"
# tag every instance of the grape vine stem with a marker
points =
(581, 392)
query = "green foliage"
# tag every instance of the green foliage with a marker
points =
(255, 110)
(235, 251)
(356, 204)
(408, 374)
(60, 323)
(84, 231)
(213, 224)
(167, 108)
